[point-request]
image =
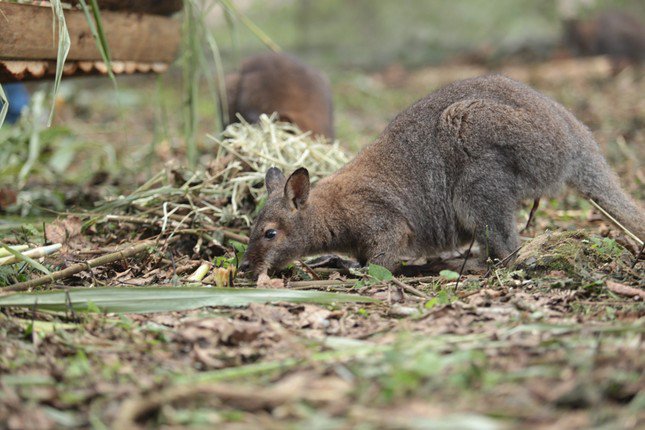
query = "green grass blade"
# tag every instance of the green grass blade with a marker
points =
(167, 299)
(220, 93)
(5, 106)
(264, 38)
(96, 27)
(37, 102)
(64, 44)
(191, 51)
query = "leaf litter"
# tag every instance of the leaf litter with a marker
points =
(554, 341)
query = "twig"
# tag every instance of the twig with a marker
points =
(625, 290)
(615, 221)
(463, 266)
(309, 270)
(90, 264)
(502, 261)
(134, 410)
(638, 257)
(131, 219)
(238, 237)
(303, 285)
(326, 271)
(410, 289)
(536, 203)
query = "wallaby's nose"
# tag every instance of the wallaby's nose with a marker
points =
(244, 266)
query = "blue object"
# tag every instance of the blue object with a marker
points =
(18, 97)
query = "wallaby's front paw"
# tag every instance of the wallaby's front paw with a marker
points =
(264, 281)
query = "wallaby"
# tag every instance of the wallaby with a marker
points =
(452, 167)
(612, 33)
(273, 82)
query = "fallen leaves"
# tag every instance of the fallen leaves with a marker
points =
(66, 231)
(625, 290)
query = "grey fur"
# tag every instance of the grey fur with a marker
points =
(455, 164)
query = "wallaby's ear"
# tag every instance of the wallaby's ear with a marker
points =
(296, 190)
(274, 180)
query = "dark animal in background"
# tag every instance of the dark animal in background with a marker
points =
(453, 166)
(612, 33)
(274, 82)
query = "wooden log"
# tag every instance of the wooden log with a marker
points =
(26, 34)
(155, 7)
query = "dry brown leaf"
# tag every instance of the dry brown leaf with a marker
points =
(625, 290)
(66, 231)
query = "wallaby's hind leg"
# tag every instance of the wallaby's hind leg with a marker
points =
(489, 213)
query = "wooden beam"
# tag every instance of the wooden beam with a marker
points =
(156, 7)
(26, 34)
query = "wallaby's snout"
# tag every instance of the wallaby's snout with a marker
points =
(275, 238)
(244, 265)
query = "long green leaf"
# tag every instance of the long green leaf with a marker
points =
(166, 299)
(191, 51)
(264, 38)
(64, 43)
(35, 113)
(95, 23)
(5, 106)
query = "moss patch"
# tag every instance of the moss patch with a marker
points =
(576, 253)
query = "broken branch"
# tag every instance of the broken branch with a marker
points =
(90, 264)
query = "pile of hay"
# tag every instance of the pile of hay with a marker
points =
(229, 189)
(248, 151)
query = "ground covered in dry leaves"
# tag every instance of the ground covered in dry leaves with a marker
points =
(553, 340)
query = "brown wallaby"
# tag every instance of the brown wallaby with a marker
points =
(453, 166)
(273, 82)
(612, 33)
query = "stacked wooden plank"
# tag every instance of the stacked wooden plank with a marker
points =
(141, 39)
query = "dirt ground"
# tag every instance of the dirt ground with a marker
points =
(552, 341)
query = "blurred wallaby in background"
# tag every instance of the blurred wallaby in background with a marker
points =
(275, 82)
(611, 32)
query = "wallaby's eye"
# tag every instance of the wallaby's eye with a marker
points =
(270, 233)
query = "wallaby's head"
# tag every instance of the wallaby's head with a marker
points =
(278, 235)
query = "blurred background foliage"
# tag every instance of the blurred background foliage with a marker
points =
(371, 34)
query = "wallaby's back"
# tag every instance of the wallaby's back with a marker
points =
(276, 82)
(463, 158)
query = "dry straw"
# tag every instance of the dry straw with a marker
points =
(253, 149)
(229, 189)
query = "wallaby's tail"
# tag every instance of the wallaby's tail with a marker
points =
(595, 180)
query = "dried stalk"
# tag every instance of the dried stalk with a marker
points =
(304, 285)
(32, 253)
(615, 221)
(410, 289)
(90, 264)
(234, 236)
(200, 273)
(17, 248)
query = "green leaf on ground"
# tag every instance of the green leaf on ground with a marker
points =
(449, 275)
(165, 299)
(379, 273)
